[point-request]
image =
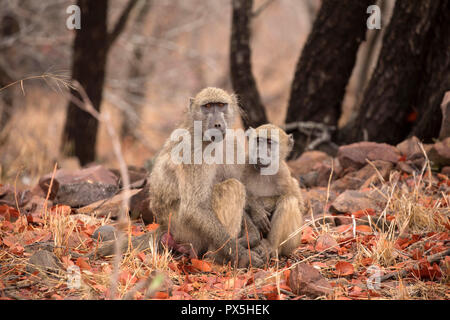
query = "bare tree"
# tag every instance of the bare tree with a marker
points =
(391, 94)
(8, 27)
(242, 78)
(435, 81)
(326, 64)
(90, 51)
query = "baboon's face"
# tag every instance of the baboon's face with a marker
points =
(271, 144)
(215, 109)
(215, 115)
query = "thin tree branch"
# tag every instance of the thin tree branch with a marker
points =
(121, 22)
(261, 8)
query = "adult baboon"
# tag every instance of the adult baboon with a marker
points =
(198, 201)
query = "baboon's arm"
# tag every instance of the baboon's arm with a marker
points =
(258, 214)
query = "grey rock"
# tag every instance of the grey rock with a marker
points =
(44, 261)
(104, 233)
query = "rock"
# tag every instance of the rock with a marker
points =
(440, 153)
(104, 233)
(351, 201)
(355, 155)
(410, 147)
(309, 180)
(306, 162)
(36, 205)
(80, 188)
(405, 167)
(44, 261)
(140, 243)
(44, 185)
(316, 199)
(136, 174)
(446, 171)
(41, 245)
(306, 280)
(109, 207)
(363, 177)
(445, 107)
(8, 196)
(318, 177)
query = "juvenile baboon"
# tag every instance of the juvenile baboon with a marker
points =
(201, 203)
(274, 202)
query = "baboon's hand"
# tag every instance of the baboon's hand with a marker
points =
(256, 261)
(261, 220)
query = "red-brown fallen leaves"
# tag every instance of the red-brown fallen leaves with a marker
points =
(201, 265)
(326, 242)
(83, 264)
(344, 268)
(427, 271)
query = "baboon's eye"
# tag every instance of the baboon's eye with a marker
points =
(221, 104)
(208, 105)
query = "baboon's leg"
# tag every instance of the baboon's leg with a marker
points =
(286, 219)
(249, 234)
(264, 250)
(228, 202)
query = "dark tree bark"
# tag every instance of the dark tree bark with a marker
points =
(91, 45)
(242, 79)
(88, 68)
(388, 103)
(326, 64)
(435, 80)
(8, 27)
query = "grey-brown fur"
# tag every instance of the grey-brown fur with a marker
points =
(192, 196)
(274, 202)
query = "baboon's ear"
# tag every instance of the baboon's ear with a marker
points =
(191, 103)
(291, 141)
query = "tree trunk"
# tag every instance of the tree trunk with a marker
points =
(242, 79)
(326, 64)
(8, 27)
(386, 113)
(136, 83)
(436, 80)
(88, 68)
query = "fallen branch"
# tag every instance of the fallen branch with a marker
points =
(403, 273)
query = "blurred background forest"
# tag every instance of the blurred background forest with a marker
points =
(290, 61)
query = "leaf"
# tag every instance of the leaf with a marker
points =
(344, 268)
(161, 295)
(141, 256)
(364, 228)
(362, 213)
(201, 265)
(83, 264)
(308, 235)
(125, 277)
(326, 242)
(9, 241)
(367, 262)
